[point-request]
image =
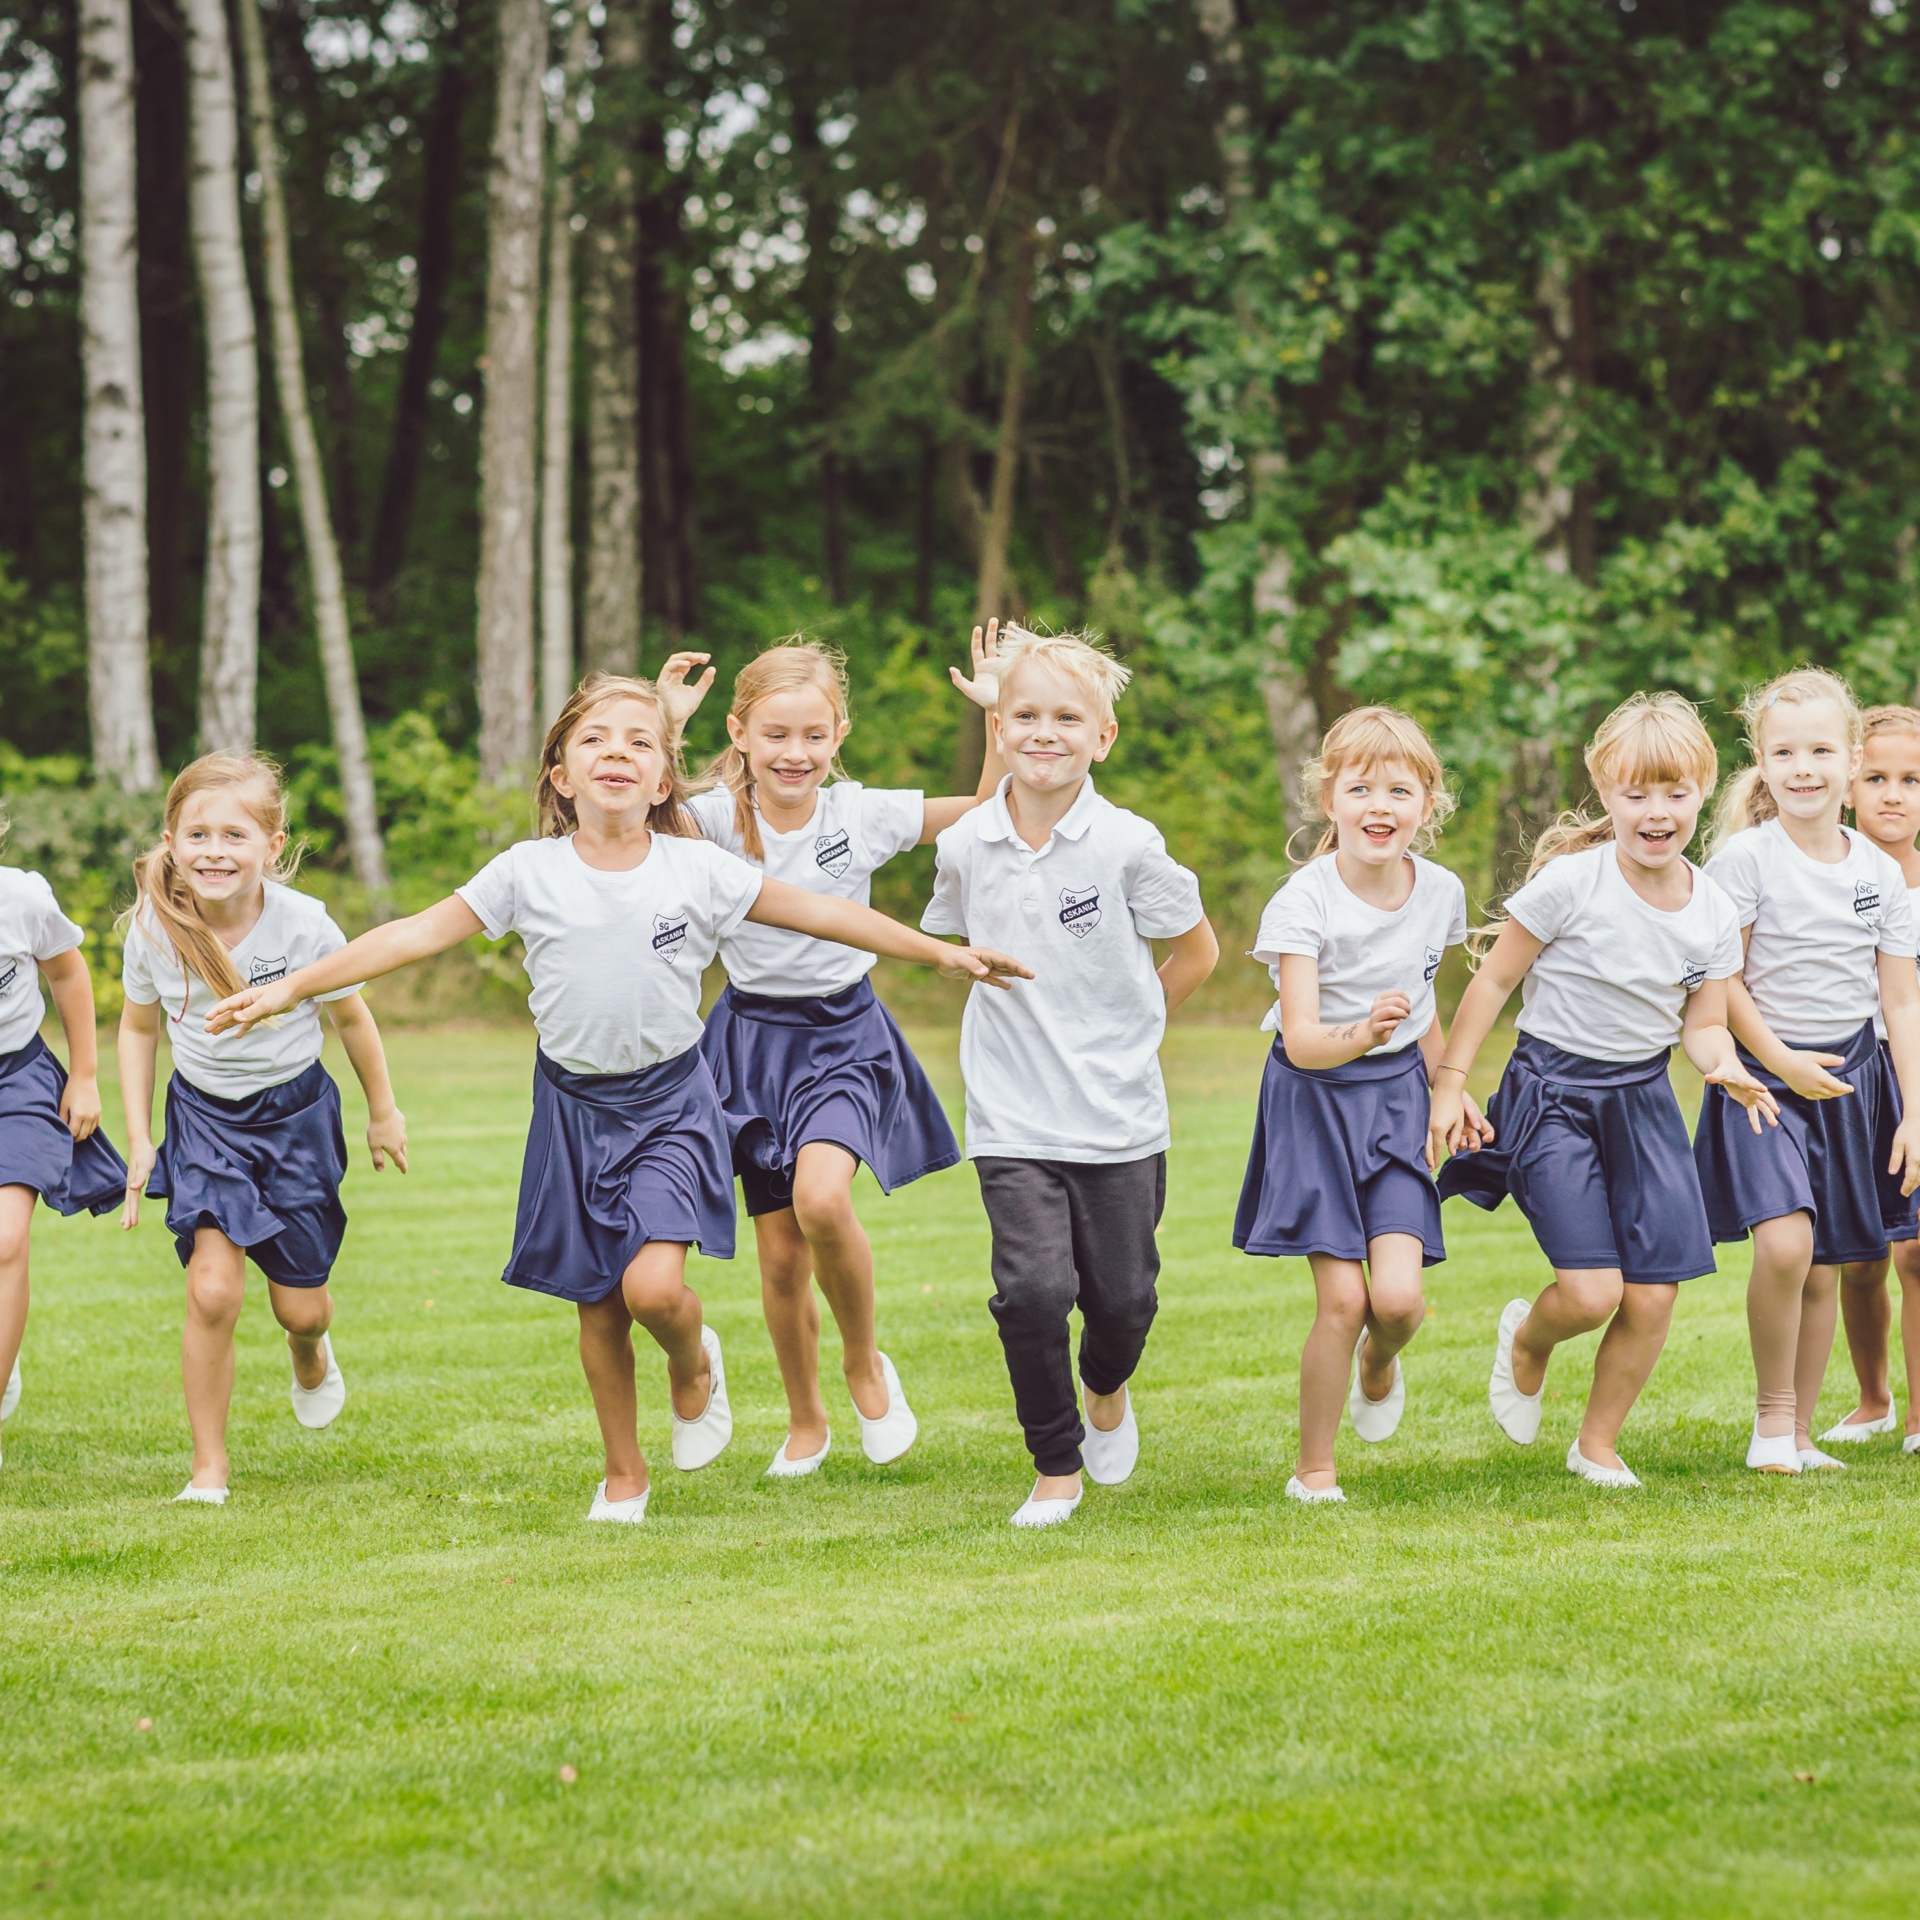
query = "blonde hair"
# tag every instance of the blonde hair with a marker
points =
(1080, 656)
(1748, 802)
(785, 667)
(1888, 720)
(1370, 737)
(1649, 739)
(164, 895)
(558, 815)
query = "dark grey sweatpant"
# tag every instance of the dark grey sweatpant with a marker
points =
(1069, 1234)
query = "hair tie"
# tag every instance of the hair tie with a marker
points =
(1770, 699)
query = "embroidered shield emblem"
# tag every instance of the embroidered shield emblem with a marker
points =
(1433, 964)
(260, 972)
(669, 936)
(833, 853)
(1080, 910)
(1866, 900)
(1694, 974)
(9, 977)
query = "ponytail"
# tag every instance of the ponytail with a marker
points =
(783, 668)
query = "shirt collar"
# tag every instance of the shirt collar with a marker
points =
(996, 821)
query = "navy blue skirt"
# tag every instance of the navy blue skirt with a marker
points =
(37, 1151)
(265, 1170)
(1595, 1154)
(615, 1160)
(1339, 1157)
(1899, 1212)
(831, 1067)
(1825, 1158)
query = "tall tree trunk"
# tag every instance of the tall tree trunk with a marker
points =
(310, 481)
(610, 629)
(556, 447)
(119, 691)
(508, 487)
(433, 270)
(230, 625)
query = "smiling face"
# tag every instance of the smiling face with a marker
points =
(789, 739)
(218, 843)
(1653, 820)
(1807, 760)
(1886, 793)
(617, 764)
(1376, 810)
(1049, 728)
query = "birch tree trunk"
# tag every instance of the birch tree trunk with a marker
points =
(610, 631)
(556, 455)
(119, 690)
(230, 627)
(508, 465)
(316, 523)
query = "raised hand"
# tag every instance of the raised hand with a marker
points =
(682, 701)
(246, 1009)
(983, 964)
(983, 689)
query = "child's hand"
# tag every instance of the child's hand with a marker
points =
(245, 1010)
(140, 1159)
(984, 688)
(1906, 1151)
(983, 964)
(386, 1136)
(1476, 1130)
(1752, 1094)
(682, 701)
(1807, 1075)
(1389, 1010)
(1446, 1118)
(80, 1104)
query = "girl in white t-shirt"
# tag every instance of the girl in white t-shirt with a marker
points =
(1886, 808)
(254, 1153)
(1625, 947)
(815, 1079)
(1829, 943)
(1340, 1170)
(621, 907)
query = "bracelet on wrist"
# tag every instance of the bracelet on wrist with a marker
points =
(1446, 1066)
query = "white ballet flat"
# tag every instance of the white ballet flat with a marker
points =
(1845, 1434)
(193, 1496)
(1110, 1457)
(320, 1406)
(1813, 1460)
(1777, 1454)
(1376, 1420)
(896, 1430)
(1911, 1444)
(1045, 1513)
(1516, 1414)
(11, 1398)
(628, 1512)
(698, 1443)
(786, 1469)
(1297, 1489)
(1597, 1475)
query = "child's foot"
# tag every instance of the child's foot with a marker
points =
(198, 1496)
(1911, 1444)
(786, 1467)
(1375, 1417)
(11, 1398)
(1600, 1473)
(1327, 1496)
(1516, 1414)
(888, 1437)
(1812, 1460)
(630, 1512)
(319, 1406)
(1858, 1425)
(1052, 1500)
(702, 1440)
(1773, 1452)
(1109, 1454)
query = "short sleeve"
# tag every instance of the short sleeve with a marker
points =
(136, 968)
(1896, 918)
(1456, 910)
(713, 814)
(1162, 896)
(1735, 870)
(1295, 920)
(947, 910)
(892, 819)
(494, 895)
(52, 932)
(1543, 905)
(1729, 950)
(327, 938)
(733, 885)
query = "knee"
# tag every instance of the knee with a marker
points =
(654, 1299)
(304, 1311)
(823, 1205)
(1344, 1310)
(1864, 1276)
(1786, 1241)
(213, 1299)
(1398, 1317)
(14, 1236)
(1031, 1302)
(1648, 1309)
(1591, 1297)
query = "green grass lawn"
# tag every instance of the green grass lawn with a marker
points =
(1478, 1688)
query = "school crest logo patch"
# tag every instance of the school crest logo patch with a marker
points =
(1693, 974)
(669, 936)
(262, 973)
(10, 976)
(1433, 964)
(833, 853)
(1866, 900)
(1080, 911)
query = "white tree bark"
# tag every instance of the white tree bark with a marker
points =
(230, 626)
(556, 447)
(316, 523)
(508, 467)
(119, 690)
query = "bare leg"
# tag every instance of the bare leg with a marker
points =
(1867, 1314)
(216, 1287)
(1906, 1263)
(1580, 1299)
(842, 1263)
(606, 1357)
(1782, 1260)
(306, 1313)
(793, 1322)
(16, 1226)
(1396, 1308)
(1340, 1293)
(1628, 1350)
(1819, 1308)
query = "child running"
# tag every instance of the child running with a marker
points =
(254, 1152)
(51, 1146)
(1625, 947)
(1066, 1114)
(814, 1077)
(1886, 808)
(1829, 943)
(622, 907)
(1341, 1164)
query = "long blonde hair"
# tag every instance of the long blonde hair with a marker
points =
(783, 668)
(1650, 739)
(1370, 737)
(165, 899)
(1748, 801)
(558, 815)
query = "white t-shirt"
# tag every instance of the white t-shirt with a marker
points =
(1913, 907)
(615, 958)
(32, 929)
(854, 831)
(1811, 961)
(1613, 981)
(293, 931)
(1065, 1066)
(1364, 951)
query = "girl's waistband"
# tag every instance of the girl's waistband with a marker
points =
(264, 1108)
(1854, 1052)
(1545, 1061)
(1369, 1067)
(620, 1089)
(12, 1063)
(809, 1010)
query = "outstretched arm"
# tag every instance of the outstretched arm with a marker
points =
(983, 689)
(852, 925)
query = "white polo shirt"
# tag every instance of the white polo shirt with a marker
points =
(1065, 1066)
(32, 929)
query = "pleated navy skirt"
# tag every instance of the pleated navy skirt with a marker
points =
(1899, 1212)
(832, 1067)
(37, 1151)
(1595, 1154)
(1340, 1156)
(1825, 1158)
(613, 1161)
(264, 1169)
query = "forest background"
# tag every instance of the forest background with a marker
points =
(1489, 357)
